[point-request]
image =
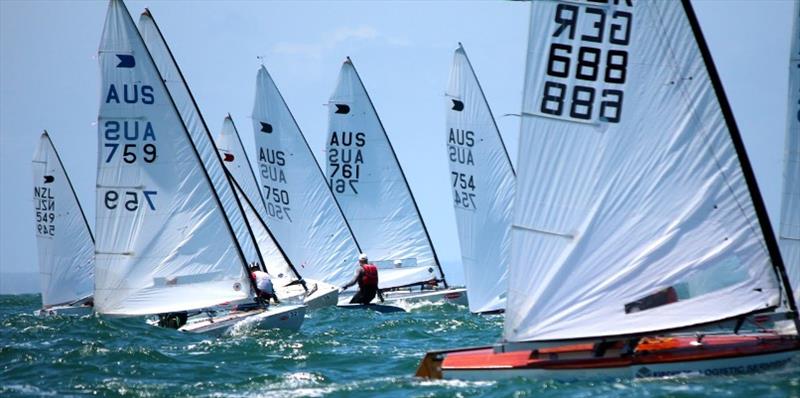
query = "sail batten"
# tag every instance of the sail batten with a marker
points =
(64, 240)
(482, 179)
(366, 178)
(160, 247)
(666, 226)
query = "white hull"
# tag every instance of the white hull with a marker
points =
(323, 294)
(289, 317)
(453, 295)
(715, 367)
(72, 310)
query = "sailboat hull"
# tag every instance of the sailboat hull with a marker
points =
(289, 317)
(69, 310)
(657, 357)
(449, 295)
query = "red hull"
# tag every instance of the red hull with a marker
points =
(648, 352)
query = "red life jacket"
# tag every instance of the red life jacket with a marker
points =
(369, 278)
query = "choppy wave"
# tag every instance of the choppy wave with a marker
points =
(336, 354)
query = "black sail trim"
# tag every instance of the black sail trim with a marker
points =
(403, 174)
(69, 182)
(744, 162)
(491, 114)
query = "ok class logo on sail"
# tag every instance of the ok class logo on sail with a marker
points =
(587, 61)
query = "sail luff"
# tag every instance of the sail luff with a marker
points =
(744, 160)
(491, 114)
(402, 174)
(215, 151)
(71, 187)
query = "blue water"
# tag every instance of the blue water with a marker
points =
(336, 354)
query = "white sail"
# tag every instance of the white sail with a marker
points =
(63, 237)
(789, 231)
(636, 209)
(163, 241)
(275, 259)
(299, 207)
(237, 163)
(200, 134)
(366, 178)
(482, 181)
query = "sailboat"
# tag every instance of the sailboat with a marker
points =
(290, 285)
(165, 244)
(789, 231)
(641, 246)
(482, 179)
(63, 237)
(318, 294)
(369, 185)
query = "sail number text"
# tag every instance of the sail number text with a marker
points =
(587, 63)
(345, 158)
(271, 163)
(45, 206)
(460, 144)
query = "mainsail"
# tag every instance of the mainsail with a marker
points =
(63, 237)
(164, 242)
(201, 136)
(299, 207)
(482, 179)
(236, 162)
(636, 208)
(789, 231)
(365, 176)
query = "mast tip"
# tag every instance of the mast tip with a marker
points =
(146, 12)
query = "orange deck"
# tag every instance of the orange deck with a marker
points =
(649, 351)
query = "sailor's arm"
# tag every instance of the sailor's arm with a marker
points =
(354, 280)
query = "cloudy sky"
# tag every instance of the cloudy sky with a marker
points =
(49, 79)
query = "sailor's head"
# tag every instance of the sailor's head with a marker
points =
(362, 258)
(398, 263)
(254, 267)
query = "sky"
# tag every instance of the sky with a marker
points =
(49, 79)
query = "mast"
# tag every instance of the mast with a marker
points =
(744, 162)
(411, 194)
(247, 162)
(216, 153)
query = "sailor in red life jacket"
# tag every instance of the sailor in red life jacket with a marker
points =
(367, 279)
(264, 289)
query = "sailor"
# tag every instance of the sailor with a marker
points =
(367, 279)
(264, 289)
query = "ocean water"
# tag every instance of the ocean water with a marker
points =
(336, 354)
